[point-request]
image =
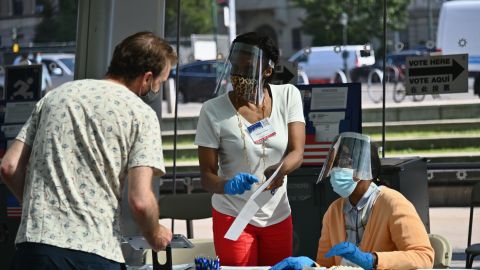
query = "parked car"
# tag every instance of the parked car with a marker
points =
(60, 66)
(198, 80)
(322, 63)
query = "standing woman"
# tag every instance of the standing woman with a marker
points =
(242, 137)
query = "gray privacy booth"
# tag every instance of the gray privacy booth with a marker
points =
(309, 201)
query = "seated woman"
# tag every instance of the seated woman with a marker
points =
(371, 226)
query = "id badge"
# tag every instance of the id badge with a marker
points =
(261, 130)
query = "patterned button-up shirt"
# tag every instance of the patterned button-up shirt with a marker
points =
(84, 136)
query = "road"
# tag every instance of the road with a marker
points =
(193, 109)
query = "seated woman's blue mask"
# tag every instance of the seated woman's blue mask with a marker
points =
(342, 181)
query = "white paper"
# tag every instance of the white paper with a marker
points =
(326, 132)
(254, 203)
(329, 98)
(326, 124)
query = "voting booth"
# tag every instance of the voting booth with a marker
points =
(329, 109)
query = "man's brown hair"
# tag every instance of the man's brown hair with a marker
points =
(140, 53)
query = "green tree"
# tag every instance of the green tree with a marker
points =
(59, 22)
(195, 18)
(365, 19)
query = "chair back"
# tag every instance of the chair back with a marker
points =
(475, 201)
(186, 206)
(442, 249)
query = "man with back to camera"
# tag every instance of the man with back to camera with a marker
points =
(68, 163)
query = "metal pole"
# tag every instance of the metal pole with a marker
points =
(384, 72)
(430, 20)
(232, 29)
(215, 27)
(345, 54)
(177, 80)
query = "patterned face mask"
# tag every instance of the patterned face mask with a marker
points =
(244, 87)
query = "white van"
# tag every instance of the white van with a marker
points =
(321, 64)
(459, 32)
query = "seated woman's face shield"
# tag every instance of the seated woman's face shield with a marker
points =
(349, 150)
(243, 73)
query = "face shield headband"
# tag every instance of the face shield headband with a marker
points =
(349, 150)
(243, 73)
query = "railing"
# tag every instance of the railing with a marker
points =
(454, 173)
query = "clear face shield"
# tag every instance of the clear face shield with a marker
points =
(243, 73)
(351, 151)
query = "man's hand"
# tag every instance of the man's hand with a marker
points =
(161, 239)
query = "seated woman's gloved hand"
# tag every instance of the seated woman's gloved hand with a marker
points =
(239, 183)
(352, 253)
(293, 263)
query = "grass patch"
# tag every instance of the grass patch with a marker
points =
(427, 134)
(183, 141)
(475, 150)
(182, 159)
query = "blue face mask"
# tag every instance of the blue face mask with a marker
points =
(342, 181)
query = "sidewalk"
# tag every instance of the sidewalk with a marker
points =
(451, 223)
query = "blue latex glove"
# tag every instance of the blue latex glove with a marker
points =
(293, 263)
(239, 183)
(352, 253)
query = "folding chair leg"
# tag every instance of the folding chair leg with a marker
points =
(168, 264)
(466, 260)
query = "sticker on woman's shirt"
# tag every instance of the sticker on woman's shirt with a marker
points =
(261, 130)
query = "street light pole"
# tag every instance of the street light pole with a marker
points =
(345, 53)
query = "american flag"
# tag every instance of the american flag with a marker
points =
(14, 210)
(315, 152)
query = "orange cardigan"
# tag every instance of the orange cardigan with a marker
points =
(394, 232)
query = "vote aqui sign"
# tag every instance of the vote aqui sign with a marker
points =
(441, 74)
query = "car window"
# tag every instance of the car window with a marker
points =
(302, 58)
(50, 65)
(69, 62)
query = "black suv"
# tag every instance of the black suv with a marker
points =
(198, 80)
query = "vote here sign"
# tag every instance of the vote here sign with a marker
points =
(440, 74)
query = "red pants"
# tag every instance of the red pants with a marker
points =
(256, 246)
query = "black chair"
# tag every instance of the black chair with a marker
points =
(472, 250)
(186, 207)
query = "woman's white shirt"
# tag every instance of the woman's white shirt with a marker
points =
(218, 128)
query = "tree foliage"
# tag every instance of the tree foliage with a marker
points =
(365, 19)
(195, 18)
(59, 22)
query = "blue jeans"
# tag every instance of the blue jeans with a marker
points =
(42, 257)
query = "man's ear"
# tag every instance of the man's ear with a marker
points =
(147, 79)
